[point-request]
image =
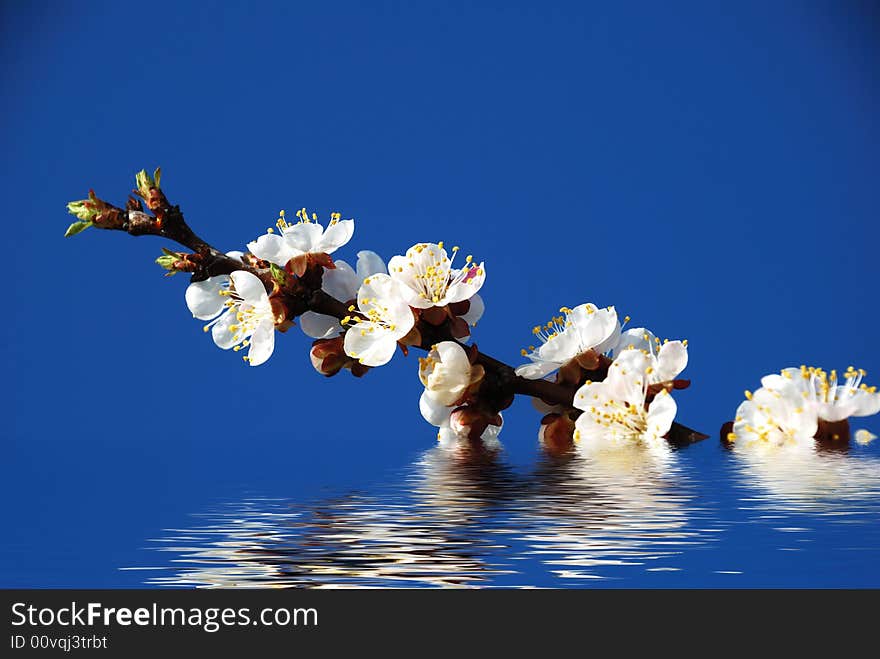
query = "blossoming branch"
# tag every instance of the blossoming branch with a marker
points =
(594, 381)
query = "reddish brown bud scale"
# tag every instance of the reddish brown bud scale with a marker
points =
(411, 338)
(434, 315)
(459, 328)
(297, 265)
(589, 360)
(460, 308)
(328, 356)
(358, 370)
(570, 374)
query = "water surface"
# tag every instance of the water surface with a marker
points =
(465, 518)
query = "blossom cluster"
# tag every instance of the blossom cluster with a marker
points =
(598, 384)
(385, 303)
(624, 379)
(800, 405)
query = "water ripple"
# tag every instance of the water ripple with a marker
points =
(467, 518)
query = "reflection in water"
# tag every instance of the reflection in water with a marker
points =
(629, 506)
(809, 479)
(458, 517)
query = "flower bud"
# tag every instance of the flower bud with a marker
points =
(94, 212)
(328, 356)
(167, 261)
(435, 316)
(145, 182)
(84, 209)
(148, 189)
(175, 262)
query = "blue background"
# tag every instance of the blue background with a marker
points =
(710, 170)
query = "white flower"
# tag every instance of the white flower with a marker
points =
(428, 279)
(241, 312)
(304, 237)
(341, 283)
(832, 400)
(449, 427)
(668, 359)
(774, 416)
(586, 327)
(614, 409)
(445, 372)
(386, 318)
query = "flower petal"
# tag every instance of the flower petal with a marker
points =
(661, 414)
(273, 248)
(401, 271)
(466, 287)
(433, 412)
(446, 373)
(319, 326)
(776, 381)
(865, 403)
(335, 236)
(537, 370)
(262, 343)
(369, 264)
(635, 337)
(833, 412)
(371, 348)
(223, 336)
(612, 339)
(203, 297)
(626, 377)
(382, 294)
(248, 286)
(672, 358)
(303, 236)
(341, 282)
(561, 347)
(591, 394)
(454, 356)
(595, 327)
